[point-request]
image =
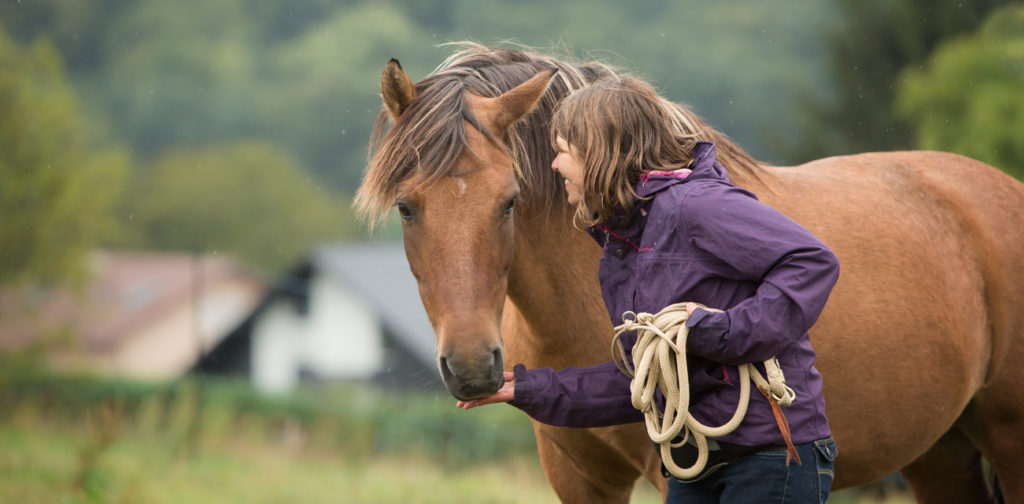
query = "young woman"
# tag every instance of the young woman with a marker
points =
(674, 229)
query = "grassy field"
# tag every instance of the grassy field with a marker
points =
(43, 463)
(48, 462)
(72, 440)
(100, 459)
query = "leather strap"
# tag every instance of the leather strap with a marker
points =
(780, 419)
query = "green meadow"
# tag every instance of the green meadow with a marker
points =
(81, 439)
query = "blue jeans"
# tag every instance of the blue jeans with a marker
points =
(764, 477)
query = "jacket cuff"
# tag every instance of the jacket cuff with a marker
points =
(707, 333)
(523, 387)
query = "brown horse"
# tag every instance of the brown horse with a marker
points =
(920, 345)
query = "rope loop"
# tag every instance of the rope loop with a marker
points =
(658, 362)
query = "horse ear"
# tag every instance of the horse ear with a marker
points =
(515, 103)
(396, 89)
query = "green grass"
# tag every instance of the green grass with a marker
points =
(74, 439)
(42, 462)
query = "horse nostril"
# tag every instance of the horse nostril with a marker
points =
(446, 372)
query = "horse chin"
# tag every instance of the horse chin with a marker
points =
(468, 395)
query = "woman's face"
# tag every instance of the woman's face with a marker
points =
(569, 166)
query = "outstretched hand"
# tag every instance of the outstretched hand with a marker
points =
(503, 395)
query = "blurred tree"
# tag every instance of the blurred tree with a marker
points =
(247, 198)
(57, 186)
(876, 40)
(304, 74)
(321, 89)
(738, 64)
(78, 29)
(177, 78)
(433, 14)
(969, 97)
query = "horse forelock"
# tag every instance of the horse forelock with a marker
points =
(424, 142)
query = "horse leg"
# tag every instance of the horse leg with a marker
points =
(995, 420)
(949, 472)
(1002, 447)
(596, 465)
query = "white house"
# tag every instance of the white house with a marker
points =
(346, 312)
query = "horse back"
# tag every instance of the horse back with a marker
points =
(936, 219)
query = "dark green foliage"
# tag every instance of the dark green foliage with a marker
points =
(304, 75)
(969, 97)
(873, 42)
(248, 199)
(57, 185)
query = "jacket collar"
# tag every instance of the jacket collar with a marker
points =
(704, 166)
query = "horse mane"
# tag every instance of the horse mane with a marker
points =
(430, 136)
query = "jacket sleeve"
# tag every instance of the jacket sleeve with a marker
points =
(595, 396)
(794, 270)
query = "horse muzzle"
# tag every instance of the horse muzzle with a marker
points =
(472, 378)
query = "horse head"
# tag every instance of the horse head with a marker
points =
(454, 182)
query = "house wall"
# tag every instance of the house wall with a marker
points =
(160, 350)
(337, 337)
(344, 339)
(167, 346)
(275, 362)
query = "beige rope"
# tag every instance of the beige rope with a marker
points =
(660, 359)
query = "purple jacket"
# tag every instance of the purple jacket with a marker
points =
(702, 239)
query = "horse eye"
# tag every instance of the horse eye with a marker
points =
(508, 207)
(404, 211)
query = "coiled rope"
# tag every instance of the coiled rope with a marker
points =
(660, 359)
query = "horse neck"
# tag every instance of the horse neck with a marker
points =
(554, 285)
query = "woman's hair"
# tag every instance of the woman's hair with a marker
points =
(619, 128)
